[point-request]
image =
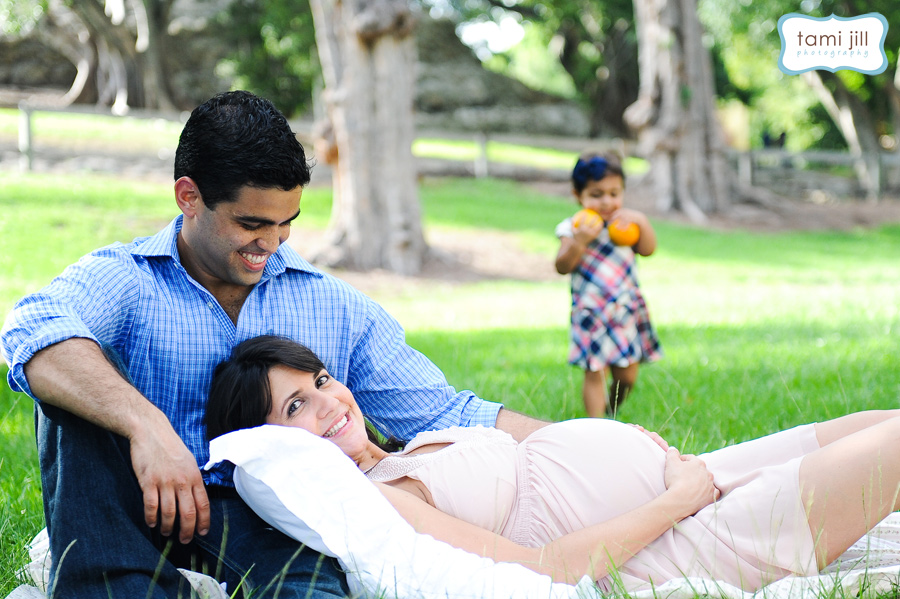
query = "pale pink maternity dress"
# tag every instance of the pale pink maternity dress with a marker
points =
(570, 475)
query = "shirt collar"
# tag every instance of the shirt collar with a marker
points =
(165, 245)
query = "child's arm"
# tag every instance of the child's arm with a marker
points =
(646, 244)
(571, 249)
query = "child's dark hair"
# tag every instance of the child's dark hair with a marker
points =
(240, 395)
(593, 166)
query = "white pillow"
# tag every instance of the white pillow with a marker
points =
(307, 488)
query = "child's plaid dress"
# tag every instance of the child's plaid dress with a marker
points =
(610, 321)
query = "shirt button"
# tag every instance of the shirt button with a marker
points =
(210, 305)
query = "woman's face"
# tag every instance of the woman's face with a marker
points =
(319, 404)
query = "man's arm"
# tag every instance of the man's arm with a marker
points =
(75, 376)
(518, 425)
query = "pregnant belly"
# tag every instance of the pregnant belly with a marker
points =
(582, 472)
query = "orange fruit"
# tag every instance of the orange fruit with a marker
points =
(586, 218)
(627, 235)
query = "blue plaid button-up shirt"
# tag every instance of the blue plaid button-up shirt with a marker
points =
(171, 333)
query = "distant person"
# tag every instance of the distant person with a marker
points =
(774, 142)
(610, 325)
(591, 496)
(121, 448)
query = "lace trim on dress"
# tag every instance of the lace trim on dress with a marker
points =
(398, 465)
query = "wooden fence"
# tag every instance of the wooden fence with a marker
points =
(788, 173)
(869, 175)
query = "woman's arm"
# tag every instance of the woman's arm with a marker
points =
(592, 551)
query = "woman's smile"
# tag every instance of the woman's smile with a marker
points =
(339, 426)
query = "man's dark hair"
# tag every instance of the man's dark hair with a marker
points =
(237, 139)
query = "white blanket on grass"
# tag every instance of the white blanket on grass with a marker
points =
(304, 486)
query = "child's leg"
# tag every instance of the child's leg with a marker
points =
(623, 380)
(850, 485)
(594, 393)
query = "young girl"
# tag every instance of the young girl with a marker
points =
(610, 323)
(592, 496)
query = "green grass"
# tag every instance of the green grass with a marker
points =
(84, 131)
(760, 332)
(509, 153)
(48, 222)
(468, 150)
(81, 132)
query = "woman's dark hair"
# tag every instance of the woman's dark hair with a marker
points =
(240, 395)
(593, 166)
(237, 139)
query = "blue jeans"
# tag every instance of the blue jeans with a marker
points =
(102, 548)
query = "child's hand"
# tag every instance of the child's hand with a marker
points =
(586, 230)
(626, 216)
(646, 243)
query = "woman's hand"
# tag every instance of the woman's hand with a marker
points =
(689, 482)
(656, 437)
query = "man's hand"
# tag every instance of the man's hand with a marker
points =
(171, 482)
(75, 376)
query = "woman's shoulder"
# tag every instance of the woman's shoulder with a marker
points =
(449, 441)
(459, 434)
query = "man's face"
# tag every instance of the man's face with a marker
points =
(230, 244)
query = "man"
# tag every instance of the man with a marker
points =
(119, 352)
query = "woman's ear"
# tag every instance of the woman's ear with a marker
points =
(187, 196)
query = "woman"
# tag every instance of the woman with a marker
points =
(593, 497)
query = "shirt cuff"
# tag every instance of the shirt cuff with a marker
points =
(486, 414)
(25, 351)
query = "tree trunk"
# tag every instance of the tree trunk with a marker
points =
(154, 49)
(368, 62)
(124, 62)
(63, 34)
(853, 120)
(675, 113)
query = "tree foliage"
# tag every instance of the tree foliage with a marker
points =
(594, 42)
(274, 51)
(18, 18)
(745, 38)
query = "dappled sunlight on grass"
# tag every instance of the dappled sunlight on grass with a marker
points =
(470, 149)
(482, 306)
(102, 131)
(509, 153)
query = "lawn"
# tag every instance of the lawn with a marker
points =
(760, 332)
